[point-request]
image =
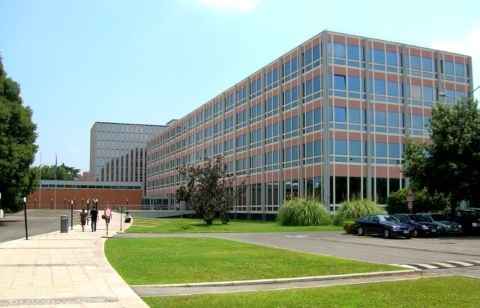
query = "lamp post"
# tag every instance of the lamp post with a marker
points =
(25, 214)
(121, 217)
(71, 214)
(1, 209)
(127, 205)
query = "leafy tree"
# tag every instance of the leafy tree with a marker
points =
(423, 202)
(207, 191)
(449, 166)
(17, 148)
(61, 173)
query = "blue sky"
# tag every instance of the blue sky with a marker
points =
(148, 61)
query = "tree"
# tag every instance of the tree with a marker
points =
(449, 166)
(61, 173)
(17, 148)
(208, 191)
(423, 202)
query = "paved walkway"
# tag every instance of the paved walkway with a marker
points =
(63, 269)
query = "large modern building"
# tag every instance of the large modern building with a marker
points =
(117, 151)
(327, 120)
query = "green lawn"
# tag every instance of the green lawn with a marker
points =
(179, 225)
(432, 292)
(181, 260)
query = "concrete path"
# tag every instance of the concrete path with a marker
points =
(63, 269)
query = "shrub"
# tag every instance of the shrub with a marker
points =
(302, 212)
(352, 210)
(349, 226)
(422, 202)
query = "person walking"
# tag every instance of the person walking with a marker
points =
(94, 217)
(83, 219)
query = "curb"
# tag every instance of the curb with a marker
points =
(279, 280)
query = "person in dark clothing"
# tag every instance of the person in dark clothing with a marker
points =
(83, 219)
(94, 217)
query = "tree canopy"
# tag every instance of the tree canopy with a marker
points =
(207, 191)
(61, 173)
(449, 165)
(17, 143)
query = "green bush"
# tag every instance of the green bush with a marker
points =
(303, 212)
(352, 210)
(349, 226)
(422, 202)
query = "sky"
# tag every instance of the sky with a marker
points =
(149, 61)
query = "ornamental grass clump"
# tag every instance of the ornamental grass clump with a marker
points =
(303, 212)
(352, 210)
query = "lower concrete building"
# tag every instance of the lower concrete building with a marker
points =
(59, 194)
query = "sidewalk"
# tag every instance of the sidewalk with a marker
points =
(63, 269)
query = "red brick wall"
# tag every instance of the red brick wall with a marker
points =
(112, 197)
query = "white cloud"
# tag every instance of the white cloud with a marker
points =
(230, 5)
(468, 45)
(74, 150)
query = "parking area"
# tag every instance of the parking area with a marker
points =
(371, 248)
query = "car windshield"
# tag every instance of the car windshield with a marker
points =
(438, 217)
(387, 218)
(418, 218)
(425, 218)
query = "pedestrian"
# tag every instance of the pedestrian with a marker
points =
(83, 219)
(94, 216)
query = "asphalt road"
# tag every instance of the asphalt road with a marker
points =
(12, 226)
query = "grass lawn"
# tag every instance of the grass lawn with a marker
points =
(181, 260)
(432, 292)
(178, 225)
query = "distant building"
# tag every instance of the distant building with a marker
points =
(327, 121)
(59, 194)
(117, 151)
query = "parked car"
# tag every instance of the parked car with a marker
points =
(386, 225)
(468, 218)
(445, 225)
(421, 227)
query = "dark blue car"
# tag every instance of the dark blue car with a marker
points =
(420, 225)
(385, 225)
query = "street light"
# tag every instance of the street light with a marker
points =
(25, 214)
(71, 214)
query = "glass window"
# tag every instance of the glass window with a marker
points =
(428, 93)
(392, 88)
(393, 119)
(379, 86)
(416, 92)
(353, 52)
(355, 147)
(340, 114)
(459, 69)
(448, 67)
(381, 149)
(393, 58)
(339, 50)
(427, 64)
(380, 118)
(415, 62)
(378, 56)
(354, 115)
(341, 147)
(417, 121)
(394, 150)
(354, 83)
(340, 82)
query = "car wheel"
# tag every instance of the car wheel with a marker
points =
(386, 233)
(415, 233)
(408, 237)
(360, 231)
